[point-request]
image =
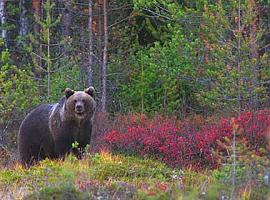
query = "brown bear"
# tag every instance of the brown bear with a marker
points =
(51, 129)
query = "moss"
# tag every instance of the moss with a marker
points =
(9, 176)
(59, 193)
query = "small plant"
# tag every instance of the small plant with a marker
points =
(58, 193)
(75, 145)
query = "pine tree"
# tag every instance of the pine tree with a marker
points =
(43, 46)
(233, 65)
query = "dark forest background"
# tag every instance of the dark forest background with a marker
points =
(184, 83)
(175, 58)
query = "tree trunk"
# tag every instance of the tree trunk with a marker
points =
(99, 39)
(90, 44)
(23, 19)
(35, 4)
(49, 62)
(3, 19)
(66, 19)
(104, 62)
(254, 55)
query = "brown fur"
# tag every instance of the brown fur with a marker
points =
(50, 129)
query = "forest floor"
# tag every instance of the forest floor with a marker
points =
(107, 176)
(142, 167)
(98, 176)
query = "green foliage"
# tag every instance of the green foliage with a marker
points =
(103, 174)
(18, 90)
(48, 22)
(143, 3)
(250, 169)
(232, 64)
(207, 66)
(161, 75)
(174, 57)
(139, 4)
(62, 192)
(124, 177)
(43, 46)
(64, 76)
(9, 176)
(75, 145)
(10, 25)
(106, 166)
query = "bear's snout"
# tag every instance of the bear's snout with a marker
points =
(79, 108)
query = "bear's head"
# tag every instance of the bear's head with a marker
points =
(80, 105)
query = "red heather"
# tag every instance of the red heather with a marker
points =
(190, 143)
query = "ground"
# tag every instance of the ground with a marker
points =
(107, 176)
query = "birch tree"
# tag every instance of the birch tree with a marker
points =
(104, 61)
(3, 20)
(90, 44)
(23, 19)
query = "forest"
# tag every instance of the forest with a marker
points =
(182, 91)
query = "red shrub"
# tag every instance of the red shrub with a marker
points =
(187, 143)
(253, 126)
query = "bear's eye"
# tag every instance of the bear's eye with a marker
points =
(83, 100)
(75, 101)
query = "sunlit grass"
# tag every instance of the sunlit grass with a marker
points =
(104, 171)
(105, 175)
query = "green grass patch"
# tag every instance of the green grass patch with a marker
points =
(101, 175)
(108, 176)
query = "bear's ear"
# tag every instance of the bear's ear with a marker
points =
(69, 92)
(90, 91)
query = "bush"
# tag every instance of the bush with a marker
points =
(255, 128)
(190, 143)
(18, 93)
(16, 85)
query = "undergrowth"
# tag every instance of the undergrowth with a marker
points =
(197, 142)
(101, 175)
(160, 158)
(107, 176)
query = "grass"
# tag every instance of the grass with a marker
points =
(107, 176)
(101, 175)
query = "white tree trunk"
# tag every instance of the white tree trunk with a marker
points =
(90, 44)
(104, 62)
(3, 19)
(23, 19)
